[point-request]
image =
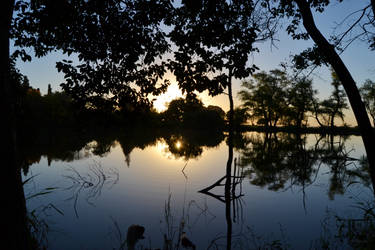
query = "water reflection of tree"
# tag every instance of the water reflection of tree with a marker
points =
(274, 159)
(71, 144)
(277, 161)
(344, 170)
(182, 148)
(190, 144)
(232, 198)
(62, 145)
(136, 138)
(231, 181)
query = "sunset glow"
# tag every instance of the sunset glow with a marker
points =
(173, 92)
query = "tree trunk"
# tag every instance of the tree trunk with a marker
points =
(332, 120)
(299, 120)
(367, 132)
(228, 180)
(373, 119)
(13, 199)
(275, 122)
(316, 112)
(231, 104)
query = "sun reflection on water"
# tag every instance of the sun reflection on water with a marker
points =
(178, 145)
(162, 148)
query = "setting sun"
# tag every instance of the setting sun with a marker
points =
(173, 92)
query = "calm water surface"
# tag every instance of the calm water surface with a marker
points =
(289, 190)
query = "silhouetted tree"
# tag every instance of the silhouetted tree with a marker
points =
(214, 40)
(116, 42)
(179, 109)
(190, 113)
(240, 116)
(14, 205)
(265, 97)
(300, 98)
(49, 91)
(300, 11)
(335, 105)
(217, 110)
(22, 87)
(368, 95)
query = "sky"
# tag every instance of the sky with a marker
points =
(358, 58)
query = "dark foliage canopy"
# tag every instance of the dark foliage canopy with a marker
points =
(213, 40)
(118, 44)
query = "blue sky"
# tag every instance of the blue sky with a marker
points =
(358, 58)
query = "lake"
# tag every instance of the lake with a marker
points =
(285, 190)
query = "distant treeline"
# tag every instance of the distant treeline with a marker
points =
(58, 109)
(271, 101)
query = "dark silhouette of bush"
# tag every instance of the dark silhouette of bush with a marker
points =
(190, 113)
